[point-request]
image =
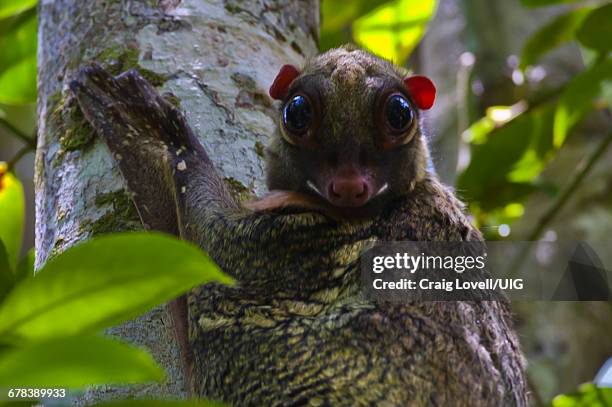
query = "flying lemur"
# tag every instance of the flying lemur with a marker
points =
(347, 165)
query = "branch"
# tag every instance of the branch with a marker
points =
(582, 171)
(24, 150)
(18, 133)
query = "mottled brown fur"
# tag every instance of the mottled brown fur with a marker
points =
(296, 329)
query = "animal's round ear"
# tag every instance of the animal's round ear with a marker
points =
(422, 90)
(283, 79)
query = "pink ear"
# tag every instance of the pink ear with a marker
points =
(283, 79)
(422, 90)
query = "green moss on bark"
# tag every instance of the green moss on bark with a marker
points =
(122, 217)
(118, 59)
(238, 190)
(58, 247)
(66, 120)
(67, 123)
(260, 149)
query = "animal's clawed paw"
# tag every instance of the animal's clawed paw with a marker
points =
(128, 106)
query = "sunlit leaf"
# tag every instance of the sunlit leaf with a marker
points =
(478, 132)
(7, 278)
(77, 362)
(11, 7)
(18, 82)
(552, 34)
(596, 30)
(527, 168)
(103, 282)
(394, 29)
(12, 209)
(18, 59)
(337, 17)
(161, 403)
(538, 3)
(577, 98)
(514, 210)
(587, 395)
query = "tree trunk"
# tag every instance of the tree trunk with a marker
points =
(215, 59)
(439, 57)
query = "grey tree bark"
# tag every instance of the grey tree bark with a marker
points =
(214, 58)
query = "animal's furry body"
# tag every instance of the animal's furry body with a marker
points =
(296, 329)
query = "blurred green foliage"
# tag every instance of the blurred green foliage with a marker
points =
(18, 37)
(539, 3)
(509, 156)
(577, 97)
(12, 212)
(395, 28)
(107, 272)
(10, 8)
(596, 31)
(390, 29)
(560, 30)
(587, 395)
(76, 362)
(49, 321)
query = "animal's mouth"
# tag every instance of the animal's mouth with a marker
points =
(354, 192)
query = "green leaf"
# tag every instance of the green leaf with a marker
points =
(18, 82)
(7, 278)
(596, 30)
(77, 362)
(501, 169)
(527, 168)
(337, 17)
(553, 34)
(577, 98)
(25, 268)
(12, 403)
(394, 29)
(103, 282)
(18, 59)
(162, 403)
(587, 395)
(539, 3)
(591, 58)
(12, 7)
(12, 210)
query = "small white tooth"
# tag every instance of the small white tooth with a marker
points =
(312, 186)
(382, 189)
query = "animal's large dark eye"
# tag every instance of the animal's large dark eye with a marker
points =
(297, 114)
(398, 113)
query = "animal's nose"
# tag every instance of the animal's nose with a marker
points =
(349, 191)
